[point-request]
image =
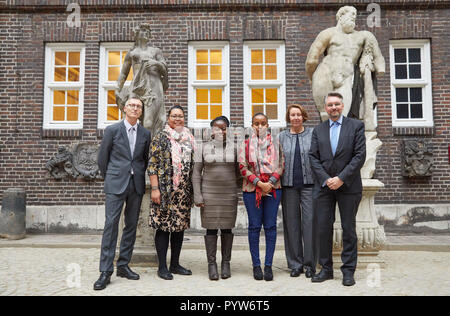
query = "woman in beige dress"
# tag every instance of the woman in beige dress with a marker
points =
(215, 181)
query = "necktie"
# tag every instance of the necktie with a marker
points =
(131, 140)
(334, 136)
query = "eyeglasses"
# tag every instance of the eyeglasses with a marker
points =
(180, 117)
(135, 106)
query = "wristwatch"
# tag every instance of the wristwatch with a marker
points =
(155, 188)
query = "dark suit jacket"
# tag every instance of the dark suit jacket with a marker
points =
(349, 157)
(115, 160)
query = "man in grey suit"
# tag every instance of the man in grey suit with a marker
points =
(337, 153)
(122, 159)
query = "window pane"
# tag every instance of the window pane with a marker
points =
(202, 96)
(257, 72)
(401, 94)
(416, 111)
(414, 55)
(113, 73)
(402, 111)
(216, 110)
(216, 57)
(271, 96)
(257, 109)
(257, 56)
(113, 113)
(271, 56)
(59, 97)
(400, 55)
(72, 97)
(271, 72)
(114, 58)
(74, 74)
(111, 97)
(415, 94)
(202, 112)
(257, 95)
(216, 72)
(216, 96)
(58, 113)
(415, 72)
(72, 113)
(74, 58)
(202, 72)
(272, 111)
(60, 58)
(60, 74)
(202, 56)
(400, 72)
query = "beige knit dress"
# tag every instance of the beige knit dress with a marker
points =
(216, 184)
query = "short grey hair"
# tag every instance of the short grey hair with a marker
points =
(333, 94)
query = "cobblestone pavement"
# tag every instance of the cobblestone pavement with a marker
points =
(62, 271)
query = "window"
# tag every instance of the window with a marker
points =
(411, 83)
(264, 81)
(112, 56)
(208, 94)
(64, 86)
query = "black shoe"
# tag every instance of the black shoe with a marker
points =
(180, 270)
(125, 272)
(257, 273)
(103, 281)
(309, 272)
(348, 281)
(268, 275)
(322, 276)
(296, 272)
(165, 274)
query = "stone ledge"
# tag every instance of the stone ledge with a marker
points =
(61, 133)
(413, 131)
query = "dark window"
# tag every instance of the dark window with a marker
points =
(415, 94)
(400, 72)
(416, 111)
(415, 72)
(400, 55)
(414, 55)
(402, 111)
(402, 94)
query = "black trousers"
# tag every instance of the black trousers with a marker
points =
(325, 207)
(113, 209)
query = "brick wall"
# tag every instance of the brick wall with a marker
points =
(28, 25)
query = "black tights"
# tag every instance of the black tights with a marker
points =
(162, 245)
(215, 231)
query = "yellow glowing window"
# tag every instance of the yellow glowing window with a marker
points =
(115, 62)
(67, 66)
(208, 64)
(113, 112)
(263, 64)
(208, 103)
(265, 101)
(65, 105)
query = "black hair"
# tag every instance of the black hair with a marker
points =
(258, 114)
(220, 118)
(175, 107)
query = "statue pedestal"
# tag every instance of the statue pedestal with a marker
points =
(371, 236)
(144, 253)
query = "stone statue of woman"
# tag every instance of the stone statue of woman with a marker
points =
(150, 80)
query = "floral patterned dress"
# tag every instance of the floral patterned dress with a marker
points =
(174, 212)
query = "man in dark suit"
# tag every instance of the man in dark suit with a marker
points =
(122, 159)
(338, 152)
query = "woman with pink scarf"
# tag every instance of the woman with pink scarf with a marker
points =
(170, 170)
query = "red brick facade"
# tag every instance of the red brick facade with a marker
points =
(26, 27)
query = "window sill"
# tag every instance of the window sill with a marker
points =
(426, 131)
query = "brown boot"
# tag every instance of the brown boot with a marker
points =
(211, 249)
(226, 245)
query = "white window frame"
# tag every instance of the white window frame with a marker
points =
(193, 83)
(424, 83)
(104, 84)
(280, 83)
(50, 85)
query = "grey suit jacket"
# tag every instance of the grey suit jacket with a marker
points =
(349, 157)
(116, 161)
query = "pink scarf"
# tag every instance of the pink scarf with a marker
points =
(182, 144)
